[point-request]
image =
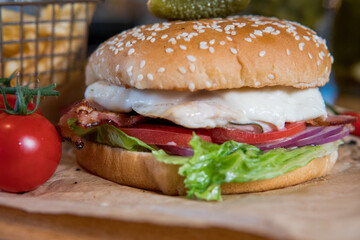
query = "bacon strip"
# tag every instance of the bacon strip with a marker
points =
(88, 115)
(331, 121)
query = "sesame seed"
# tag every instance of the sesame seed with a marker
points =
(248, 39)
(301, 46)
(140, 77)
(191, 58)
(211, 50)
(326, 69)
(182, 70)
(191, 86)
(131, 51)
(287, 51)
(152, 40)
(169, 50)
(332, 59)
(160, 70)
(116, 51)
(187, 39)
(271, 77)
(150, 76)
(192, 67)
(149, 37)
(117, 68)
(297, 37)
(233, 33)
(233, 50)
(229, 38)
(129, 70)
(262, 53)
(203, 45)
(172, 40)
(208, 84)
(183, 47)
(142, 63)
(222, 43)
(268, 29)
(212, 41)
(258, 32)
(306, 38)
(164, 36)
(154, 34)
(310, 56)
(252, 35)
(128, 44)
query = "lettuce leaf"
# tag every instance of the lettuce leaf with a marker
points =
(110, 135)
(213, 164)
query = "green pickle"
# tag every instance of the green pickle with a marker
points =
(195, 9)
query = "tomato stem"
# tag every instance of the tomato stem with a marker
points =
(24, 95)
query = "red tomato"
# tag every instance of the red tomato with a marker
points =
(356, 124)
(163, 135)
(220, 135)
(12, 99)
(30, 151)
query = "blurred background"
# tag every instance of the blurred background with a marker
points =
(338, 21)
(50, 40)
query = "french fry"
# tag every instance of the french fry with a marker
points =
(61, 29)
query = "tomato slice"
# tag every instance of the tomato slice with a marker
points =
(164, 135)
(220, 135)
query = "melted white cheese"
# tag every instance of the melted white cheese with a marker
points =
(208, 109)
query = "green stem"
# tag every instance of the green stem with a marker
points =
(45, 91)
(24, 95)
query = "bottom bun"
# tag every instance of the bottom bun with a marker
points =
(142, 170)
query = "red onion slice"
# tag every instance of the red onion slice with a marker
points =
(308, 132)
(325, 133)
(174, 150)
(344, 132)
(310, 136)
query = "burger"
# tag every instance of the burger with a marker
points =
(207, 107)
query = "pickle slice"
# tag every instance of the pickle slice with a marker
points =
(195, 9)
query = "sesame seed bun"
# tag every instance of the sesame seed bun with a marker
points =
(213, 54)
(142, 170)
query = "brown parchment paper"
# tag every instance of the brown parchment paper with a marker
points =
(327, 208)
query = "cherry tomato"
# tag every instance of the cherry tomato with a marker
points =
(30, 151)
(163, 135)
(12, 100)
(220, 135)
(356, 124)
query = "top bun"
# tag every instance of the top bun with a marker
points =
(246, 51)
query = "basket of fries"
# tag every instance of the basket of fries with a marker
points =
(45, 40)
